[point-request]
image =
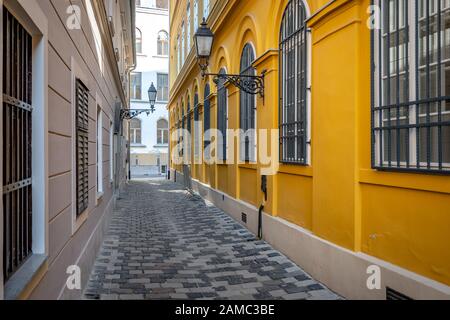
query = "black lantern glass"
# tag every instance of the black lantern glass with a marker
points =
(152, 92)
(204, 39)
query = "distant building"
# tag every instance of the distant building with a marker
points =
(149, 134)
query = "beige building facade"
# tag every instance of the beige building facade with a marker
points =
(64, 154)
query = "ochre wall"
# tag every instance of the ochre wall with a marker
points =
(400, 218)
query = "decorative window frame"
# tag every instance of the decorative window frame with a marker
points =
(35, 21)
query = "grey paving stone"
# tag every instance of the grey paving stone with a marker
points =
(164, 243)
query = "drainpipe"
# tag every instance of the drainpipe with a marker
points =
(261, 207)
(131, 68)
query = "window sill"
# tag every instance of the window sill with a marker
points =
(24, 276)
(138, 145)
(248, 165)
(160, 57)
(299, 170)
(99, 196)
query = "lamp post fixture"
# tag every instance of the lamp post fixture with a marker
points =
(204, 39)
(129, 114)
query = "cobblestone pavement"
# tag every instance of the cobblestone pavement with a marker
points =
(164, 243)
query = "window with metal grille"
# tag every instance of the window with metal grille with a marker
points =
(222, 116)
(188, 115)
(247, 108)
(411, 87)
(17, 152)
(206, 117)
(162, 131)
(294, 85)
(196, 126)
(82, 146)
(138, 40)
(163, 87)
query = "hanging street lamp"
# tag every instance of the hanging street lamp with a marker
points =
(204, 39)
(128, 114)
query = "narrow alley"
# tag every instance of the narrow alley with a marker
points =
(165, 243)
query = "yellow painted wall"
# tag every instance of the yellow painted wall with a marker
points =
(398, 217)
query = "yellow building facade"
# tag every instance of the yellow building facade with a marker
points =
(336, 212)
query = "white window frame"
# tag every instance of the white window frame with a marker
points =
(412, 94)
(111, 151)
(196, 24)
(99, 144)
(206, 9)
(188, 27)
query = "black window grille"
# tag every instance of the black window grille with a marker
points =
(17, 148)
(183, 126)
(206, 116)
(82, 147)
(411, 87)
(294, 85)
(188, 115)
(222, 115)
(247, 108)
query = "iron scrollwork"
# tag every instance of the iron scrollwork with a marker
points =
(128, 114)
(248, 83)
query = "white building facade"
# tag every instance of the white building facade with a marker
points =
(149, 133)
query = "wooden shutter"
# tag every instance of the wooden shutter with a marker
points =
(82, 147)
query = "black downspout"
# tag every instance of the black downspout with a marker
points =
(261, 208)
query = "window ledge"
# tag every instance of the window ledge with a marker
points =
(100, 196)
(133, 145)
(160, 57)
(20, 280)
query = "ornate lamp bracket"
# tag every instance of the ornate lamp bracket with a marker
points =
(128, 114)
(248, 83)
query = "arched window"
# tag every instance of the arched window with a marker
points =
(188, 114)
(162, 133)
(138, 40)
(163, 43)
(135, 131)
(188, 26)
(195, 15)
(222, 116)
(248, 108)
(196, 128)
(205, 9)
(206, 116)
(178, 54)
(294, 124)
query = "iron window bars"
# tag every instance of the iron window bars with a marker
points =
(17, 144)
(247, 107)
(411, 87)
(196, 127)
(206, 117)
(82, 146)
(222, 114)
(294, 85)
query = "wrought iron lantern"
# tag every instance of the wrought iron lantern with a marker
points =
(129, 114)
(204, 39)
